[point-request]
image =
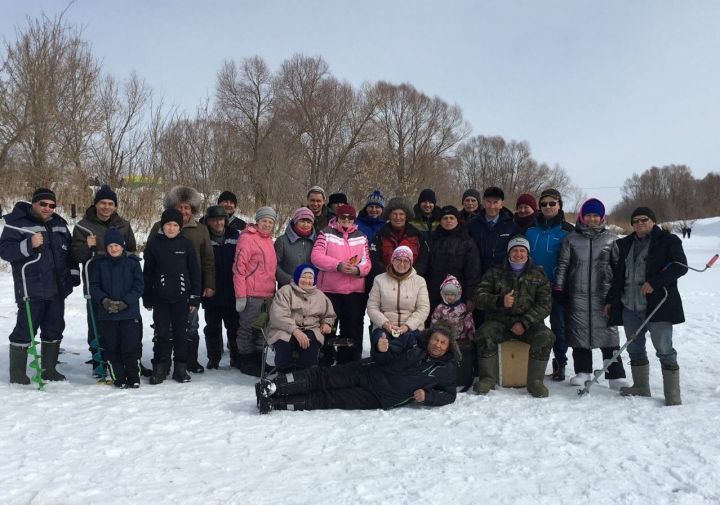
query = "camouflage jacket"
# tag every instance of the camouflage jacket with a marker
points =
(533, 297)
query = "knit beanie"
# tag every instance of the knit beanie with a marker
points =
(427, 195)
(303, 213)
(449, 210)
(301, 269)
(43, 194)
(345, 210)
(113, 236)
(316, 189)
(375, 198)
(552, 193)
(593, 206)
(402, 251)
(227, 196)
(171, 215)
(527, 199)
(518, 241)
(471, 192)
(643, 211)
(451, 286)
(494, 192)
(264, 212)
(105, 193)
(337, 198)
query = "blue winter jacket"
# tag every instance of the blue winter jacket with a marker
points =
(55, 274)
(118, 278)
(546, 238)
(369, 225)
(492, 242)
(224, 253)
(406, 367)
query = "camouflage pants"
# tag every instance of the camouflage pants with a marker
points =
(491, 333)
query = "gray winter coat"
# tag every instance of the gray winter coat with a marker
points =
(584, 274)
(291, 251)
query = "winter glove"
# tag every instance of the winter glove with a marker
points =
(120, 305)
(240, 304)
(109, 305)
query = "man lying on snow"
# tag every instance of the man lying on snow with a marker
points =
(412, 367)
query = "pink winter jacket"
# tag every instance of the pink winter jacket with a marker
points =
(335, 245)
(255, 265)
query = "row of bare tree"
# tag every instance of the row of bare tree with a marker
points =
(672, 192)
(268, 135)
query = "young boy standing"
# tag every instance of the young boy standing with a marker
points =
(116, 284)
(172, 290)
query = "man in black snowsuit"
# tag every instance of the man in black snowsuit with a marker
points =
(420, 368)
(49, 280)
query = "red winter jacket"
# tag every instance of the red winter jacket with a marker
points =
(255, 264)
(335, 245)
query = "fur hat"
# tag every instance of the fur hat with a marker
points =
(450, 331)
(471, 192)
(183, 194)
(105, 193)
(398, 203)
(451, 211)
(337, 198)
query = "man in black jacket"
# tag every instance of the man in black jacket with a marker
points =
(646, 268)
(418, 368)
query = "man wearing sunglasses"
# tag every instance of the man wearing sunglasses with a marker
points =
(546, 238)
(647, 264)
(49, 280)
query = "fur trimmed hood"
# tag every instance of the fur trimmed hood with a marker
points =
(183, 194)
(398, 203)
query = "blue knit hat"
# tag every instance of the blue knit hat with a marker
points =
(375, 198)
(593, 206)
(301, 269)
(113, 236)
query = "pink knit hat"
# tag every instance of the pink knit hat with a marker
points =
(402, 251)
(303, 213)
(451, 286)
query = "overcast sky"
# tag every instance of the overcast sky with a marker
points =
(603, 88)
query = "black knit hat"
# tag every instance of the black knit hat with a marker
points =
(427, 195)
(340, 198)
(105, 193)
(227, 196)
(113, 236)
(643, 211)
(43, 194)
(450, 210)
(552, 193)
(494, 192)
(172, 215)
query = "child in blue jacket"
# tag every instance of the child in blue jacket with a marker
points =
(116, 283)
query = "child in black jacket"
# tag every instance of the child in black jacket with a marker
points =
(116, 283)
(172, 289)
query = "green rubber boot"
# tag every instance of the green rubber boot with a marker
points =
(49, 357)
(535, 376)
(487, 374)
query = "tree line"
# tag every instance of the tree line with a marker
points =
(267, 134)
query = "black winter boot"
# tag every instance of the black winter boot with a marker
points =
(558, 373)
(192, 364)
(144, 371)
(488, 369)
(250, 364)
(180, 372)
(671, 386)
(18, 365)
(159, 372)
(281, 403)
(49, 356)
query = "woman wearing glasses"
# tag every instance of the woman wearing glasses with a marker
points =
(342, 256)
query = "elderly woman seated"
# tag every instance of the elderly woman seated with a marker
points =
(300, 317)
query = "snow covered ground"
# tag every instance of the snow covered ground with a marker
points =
(204, 443)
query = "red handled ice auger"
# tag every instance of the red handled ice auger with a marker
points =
(611, 359)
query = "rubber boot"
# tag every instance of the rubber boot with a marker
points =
(671, 386)
(192, 364)
(18, 365)
(535, 376)
(488, 369)
(49, 356)
(180, 372)
(641, 380)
